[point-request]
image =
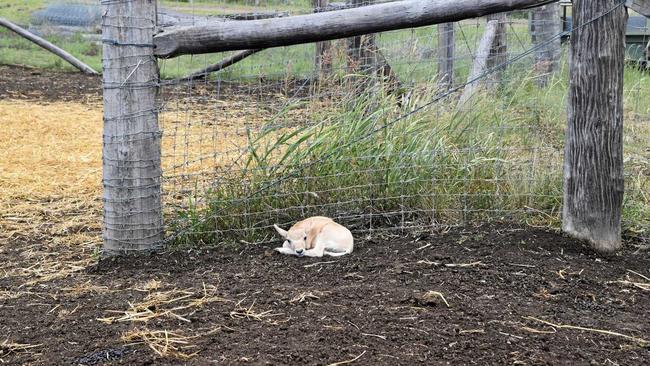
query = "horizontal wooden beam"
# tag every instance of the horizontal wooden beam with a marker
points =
(221, 36)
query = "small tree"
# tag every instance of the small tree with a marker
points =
(593, 159)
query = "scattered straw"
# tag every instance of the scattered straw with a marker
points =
(472, 331)
(87, 287)
(374, 335)
(593, 330)
(7, 347)
(242, 312)
(639, 274)
(163, 342)
(347, 361)
(463, 265)
(47, 270)
(628, 281)
(167, 303)
(305, 296)
(318, 264)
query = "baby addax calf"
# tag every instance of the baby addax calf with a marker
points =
(316, 236)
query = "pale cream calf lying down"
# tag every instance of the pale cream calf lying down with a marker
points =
(315, 236)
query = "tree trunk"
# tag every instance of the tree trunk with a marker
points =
(593, 159)
(131, 153)
(546, 24)
(446, 47)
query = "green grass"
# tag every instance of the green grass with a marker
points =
(501, 160)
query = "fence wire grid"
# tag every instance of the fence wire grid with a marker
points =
(369, 131)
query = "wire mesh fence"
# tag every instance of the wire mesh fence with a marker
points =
(365, 131)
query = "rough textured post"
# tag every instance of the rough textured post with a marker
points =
(446, 48)
(593, 157)
(361, 58)
(479, 66)
(131, 152)
(323, 60)
(499, 52)
(545, 24)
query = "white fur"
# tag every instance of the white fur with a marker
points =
(315, 237)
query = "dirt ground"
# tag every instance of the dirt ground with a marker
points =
(487, 295)
(491, 294)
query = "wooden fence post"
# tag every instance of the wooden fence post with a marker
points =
(545, 24)
(499, 52)
(479, 66)
(361, 57)
(131, 151)
(593, 156)
(446, 47)
(323, 61)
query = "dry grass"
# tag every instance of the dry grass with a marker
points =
(242, 312)
(178, 304)
(49, 151)
(50, 173)
(7, 348)
(163, 342)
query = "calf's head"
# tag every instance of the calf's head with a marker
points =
(296, 238)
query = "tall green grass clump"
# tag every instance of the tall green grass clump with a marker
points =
(372, 164)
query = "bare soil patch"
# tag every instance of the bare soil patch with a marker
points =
(485, 295)
(22, 83)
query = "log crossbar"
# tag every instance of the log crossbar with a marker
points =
(222, 36)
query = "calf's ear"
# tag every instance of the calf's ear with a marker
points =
(283, 233)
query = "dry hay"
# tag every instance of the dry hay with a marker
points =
(165, 304)
(50, 164)
(637, 281)
(249, 312)
(8, 348)
(162, 342)
(50, 172)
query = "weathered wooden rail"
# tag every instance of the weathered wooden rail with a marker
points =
(221, 36)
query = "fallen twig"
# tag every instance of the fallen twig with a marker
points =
(317, 263)
(374, 335)
(594, 330)
(463, 265)
(347, 361)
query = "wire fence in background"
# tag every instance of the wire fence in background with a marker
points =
(367, 130)
(338, 129)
